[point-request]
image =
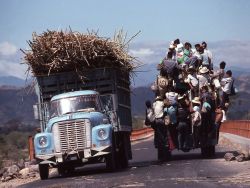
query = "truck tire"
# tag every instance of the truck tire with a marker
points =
(123, 155)
(208, 152)
(63, 170)
(110, 160)
(44, 171)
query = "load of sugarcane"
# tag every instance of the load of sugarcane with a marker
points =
(58, 51)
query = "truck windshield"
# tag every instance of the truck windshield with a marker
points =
(86, 103)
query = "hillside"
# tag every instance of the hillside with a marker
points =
(138, 97)
(11, 81)
(16, 104)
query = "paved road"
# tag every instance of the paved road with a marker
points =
(184, 170)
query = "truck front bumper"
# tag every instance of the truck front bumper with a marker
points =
(76, 155)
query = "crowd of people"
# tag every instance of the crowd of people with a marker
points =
(191, 99)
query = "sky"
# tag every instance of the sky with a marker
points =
(158, 21)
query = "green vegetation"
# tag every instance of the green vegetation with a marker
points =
(13, 146)
(14, 141)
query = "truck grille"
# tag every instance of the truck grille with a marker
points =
(72, 135)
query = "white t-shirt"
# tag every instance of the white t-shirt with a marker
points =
(227, 84)
(209, 53)
(203, 80)
(192, 79)
(172, 97)
(196, 53)
(158, 109)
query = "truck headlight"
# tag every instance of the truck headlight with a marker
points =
(43, 141)
(102, 134)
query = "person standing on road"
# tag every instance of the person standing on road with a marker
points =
(150, 118)
(160, 129)
(184, 128)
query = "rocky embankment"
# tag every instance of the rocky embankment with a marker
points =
(20, 173)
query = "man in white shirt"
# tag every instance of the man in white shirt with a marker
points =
(196, 50)
(226, 88)
(219, 74)
(161, 141)
(208, 53)
(158, 107)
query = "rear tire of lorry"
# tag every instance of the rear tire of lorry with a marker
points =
(208, 152)
(44, 171)
(123, 155)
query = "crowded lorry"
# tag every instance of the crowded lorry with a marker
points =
(191, 100)
(83, 89)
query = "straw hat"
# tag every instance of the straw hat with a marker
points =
(204, 70)
(196, 100)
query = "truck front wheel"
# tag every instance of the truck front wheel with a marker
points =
(110, 161)
(64, 170)
(44, 171)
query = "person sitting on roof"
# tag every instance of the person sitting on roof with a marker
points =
(196, 51)
(205, 60)
(208, 52)
(219, 73)
(168, 67)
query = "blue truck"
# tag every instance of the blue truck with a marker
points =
(83, 120)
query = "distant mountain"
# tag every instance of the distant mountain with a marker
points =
(11, 81)
(138, 97)
(16, 104)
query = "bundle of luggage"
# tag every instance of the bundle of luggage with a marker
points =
(191, 98)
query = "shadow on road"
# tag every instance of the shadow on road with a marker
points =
(179, 156)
